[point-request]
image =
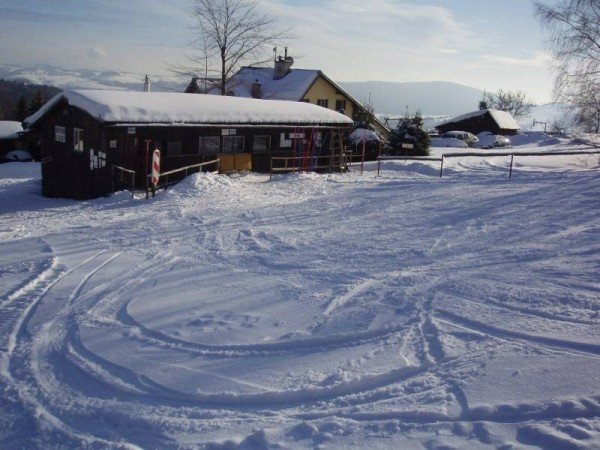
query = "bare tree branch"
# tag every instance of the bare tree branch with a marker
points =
(231, 33)
(574, 27)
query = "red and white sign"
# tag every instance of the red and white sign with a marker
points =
(155, 166)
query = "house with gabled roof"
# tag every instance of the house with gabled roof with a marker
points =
(281, 82)
(492, 120)
(87, 134)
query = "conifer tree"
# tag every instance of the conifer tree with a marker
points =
(410, 132)
(37, 102)
(21, 110)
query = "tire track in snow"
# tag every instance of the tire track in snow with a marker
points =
(509, 334)
(241, 350)
(27, 395)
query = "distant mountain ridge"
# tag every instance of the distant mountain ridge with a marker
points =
(429, 97)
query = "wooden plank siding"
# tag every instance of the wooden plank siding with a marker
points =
(71, 174)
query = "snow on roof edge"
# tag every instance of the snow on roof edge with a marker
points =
(180, 108)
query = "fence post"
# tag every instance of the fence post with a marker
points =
(132, 184)
(378, 165)
(442, 166)
(512, 156)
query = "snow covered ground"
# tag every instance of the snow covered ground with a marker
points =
(321, 311)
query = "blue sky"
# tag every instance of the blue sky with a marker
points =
(488, 44)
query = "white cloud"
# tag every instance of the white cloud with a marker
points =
(94, 53)
(540, 59)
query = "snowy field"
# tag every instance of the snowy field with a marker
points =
(311, 311)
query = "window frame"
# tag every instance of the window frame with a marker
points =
(267, 147)
(78, 142)
(323, 102)
(60, 134)
(232, 138)
(202, 145)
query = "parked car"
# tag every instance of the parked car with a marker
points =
(491, 140)
(469, 138)
(447, 142)
(16, 156)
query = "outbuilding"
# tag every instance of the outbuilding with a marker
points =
(493, 120)
(10, 136)
(84, 134)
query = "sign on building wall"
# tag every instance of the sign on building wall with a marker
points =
(60, 134)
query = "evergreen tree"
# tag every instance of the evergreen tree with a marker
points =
(21, 110)
(37, 102)
(410, 131)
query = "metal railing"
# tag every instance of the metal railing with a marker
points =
(483, 155)
(185, 171)
(122, 172)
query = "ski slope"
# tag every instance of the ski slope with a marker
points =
(310, 311)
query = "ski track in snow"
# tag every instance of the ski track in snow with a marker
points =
(333, 310)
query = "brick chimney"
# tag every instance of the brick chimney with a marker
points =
(283, 66)
(256, 89)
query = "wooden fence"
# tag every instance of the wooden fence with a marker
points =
(289, 164)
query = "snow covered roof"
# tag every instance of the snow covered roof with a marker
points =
(177, 108)
(291, 87)
(504, 119)
(361, 134)
(10, 129)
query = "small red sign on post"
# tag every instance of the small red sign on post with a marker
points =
(155, 166)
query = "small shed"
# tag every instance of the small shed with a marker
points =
(86, 133)
(493, 120)
(10, 136)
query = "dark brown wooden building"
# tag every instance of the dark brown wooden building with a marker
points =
(84, 134)
(492, 120)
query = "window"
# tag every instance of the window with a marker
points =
(305, 100)
(233, 144)
(323, 102)
(174, 148)
(97, 160)
(340, 105)
(261, 143)
(209, 144)
(60, 134)
(78, 140)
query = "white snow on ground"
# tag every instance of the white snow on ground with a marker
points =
(321, 311)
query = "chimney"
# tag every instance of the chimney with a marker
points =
(147, 84)
(283, 66)
(256, 89)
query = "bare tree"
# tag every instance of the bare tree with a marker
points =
(514, 102)
(574, 27)
(230, 33)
